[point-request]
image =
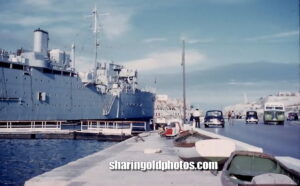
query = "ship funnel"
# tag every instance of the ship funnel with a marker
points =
(41, 39)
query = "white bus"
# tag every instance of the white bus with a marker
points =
(274, 113)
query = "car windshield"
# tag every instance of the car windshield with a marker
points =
(214, 113)
(251, 114)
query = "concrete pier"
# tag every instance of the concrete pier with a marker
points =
(94, 169)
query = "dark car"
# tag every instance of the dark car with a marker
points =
(292, 116)
(214, 117)
(251, 117)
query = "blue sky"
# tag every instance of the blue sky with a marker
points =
(146, 34)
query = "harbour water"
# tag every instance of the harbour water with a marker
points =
(24, 159)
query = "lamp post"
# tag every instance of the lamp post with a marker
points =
(183, 81)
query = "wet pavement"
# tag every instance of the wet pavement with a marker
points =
(279, 140)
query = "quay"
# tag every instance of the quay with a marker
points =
(59, 134)
(94, 169)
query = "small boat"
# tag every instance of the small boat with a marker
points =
(255, 168)
(217, 150)
(192, 146)
(185, 145)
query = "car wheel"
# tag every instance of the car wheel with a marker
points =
(205, 126)
(222, 125)
(257, 122)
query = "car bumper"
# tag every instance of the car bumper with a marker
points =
(213, 123)
(292, 118)
(252, 120)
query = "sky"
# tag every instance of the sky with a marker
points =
(146, 35)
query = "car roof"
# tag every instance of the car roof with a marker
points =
(214, 111)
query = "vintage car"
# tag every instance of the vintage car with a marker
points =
(214, 117)
(292, 116)
(251, 117)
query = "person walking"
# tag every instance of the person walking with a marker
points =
(232, 117)
(196, 116)
(191, 118)
(229, 116)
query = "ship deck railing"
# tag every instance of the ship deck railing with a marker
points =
(98, 124)
(36, 124)
(85, 125)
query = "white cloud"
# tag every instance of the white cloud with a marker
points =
(229, 1)
(116, 23)
(190, 40)
(38, 2)
(157, 39)
(83, 63)
(52, 12)
(30, 21)
(195, 41)
(274, 36)
(62, 31)
(238, 83)
(163, 61)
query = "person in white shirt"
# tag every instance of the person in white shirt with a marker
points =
(196, 116)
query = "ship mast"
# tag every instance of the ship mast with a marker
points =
(95, 30)
(183, 81)
(73, 56)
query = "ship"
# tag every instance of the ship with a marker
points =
(43, 84)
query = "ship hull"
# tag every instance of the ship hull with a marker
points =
(65, 98)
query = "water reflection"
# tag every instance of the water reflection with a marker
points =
(23, 159)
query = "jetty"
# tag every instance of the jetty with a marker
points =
(146, 147)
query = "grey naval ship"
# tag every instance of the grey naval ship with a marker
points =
(43, 85)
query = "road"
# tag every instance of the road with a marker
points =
(278, 140)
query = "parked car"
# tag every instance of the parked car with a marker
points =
(251, 117)
(214, 117)
(292, 116)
